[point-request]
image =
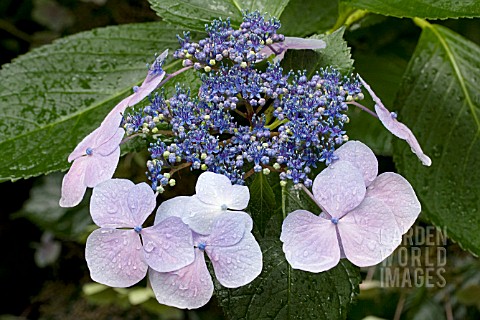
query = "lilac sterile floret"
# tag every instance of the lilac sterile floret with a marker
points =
(235, 256)
(120, 257)
(373, 218)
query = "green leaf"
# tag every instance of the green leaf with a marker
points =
(336, 54)
(294, 199)
(430, 9)
(55, 95)
(301, 18)
(440, 100)
(262, 201)
(194, 14)
(281, 292)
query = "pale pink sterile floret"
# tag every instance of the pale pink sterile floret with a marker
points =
(280, 48)
(116, 256)
(96, 157)
(400, 130)
(214, 196)
(235, 255)
(363, 224)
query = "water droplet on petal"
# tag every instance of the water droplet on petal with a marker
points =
(149, 247)
(305, 253)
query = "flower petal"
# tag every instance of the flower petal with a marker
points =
(198, 215)
(229, 228)
(303, 44)
(73, 186)
(236, 265)
(168, 245)
(213, 188)
(108, 205)
(310, 242)
(188, 288)
(362, 157)
(397, 128)
(114, 118)
(100, 168)
(111, 144)
(292, 43)
(239, 196)
(339, 188)
(397, 194)
(369, 233)
(175, 207)
(141, 201)
(115, 258)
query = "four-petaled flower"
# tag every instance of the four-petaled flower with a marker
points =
(96, 157)
(215, 194)
(116, 257)
(363, 219)
(235, 255)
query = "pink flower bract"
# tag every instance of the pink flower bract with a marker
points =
(96, 157)
(363, 224)
(116, 257)
(235, 255)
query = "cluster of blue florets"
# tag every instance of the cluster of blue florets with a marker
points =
(240, 46)
(244, 120)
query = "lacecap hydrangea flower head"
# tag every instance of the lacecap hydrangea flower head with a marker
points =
(249, 116)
